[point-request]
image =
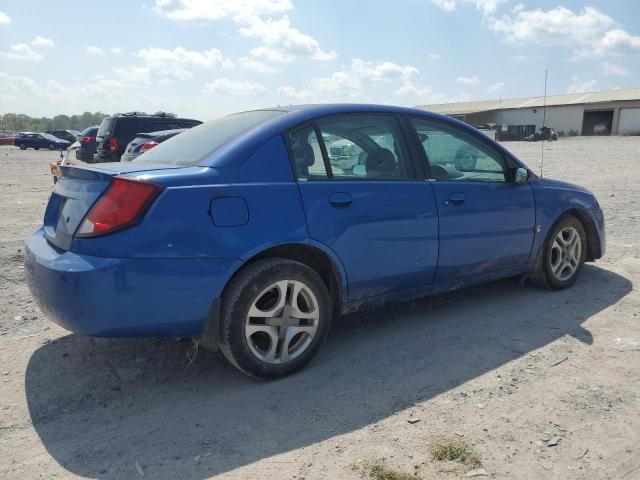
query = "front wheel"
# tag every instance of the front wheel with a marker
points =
(562, 256)
(276, 314)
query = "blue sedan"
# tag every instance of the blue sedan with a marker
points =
(243, 233)
(37, 141)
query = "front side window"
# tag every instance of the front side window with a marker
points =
(356, 147)
(457, 155)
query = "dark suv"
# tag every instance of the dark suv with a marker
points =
(117, 131)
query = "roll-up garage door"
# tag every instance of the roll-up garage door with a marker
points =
(629, 123)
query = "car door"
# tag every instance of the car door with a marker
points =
(486, 220)
(365, 202)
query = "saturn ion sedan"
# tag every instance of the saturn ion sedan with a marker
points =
(241, 232)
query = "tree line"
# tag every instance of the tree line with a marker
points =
(18, 122)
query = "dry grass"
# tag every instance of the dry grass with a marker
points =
(379, 471)
(454, 450)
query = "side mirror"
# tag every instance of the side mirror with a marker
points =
(360, 170)
(521, 176)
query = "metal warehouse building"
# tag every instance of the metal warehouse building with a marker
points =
(612, 112)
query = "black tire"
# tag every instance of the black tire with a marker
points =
(22, 146)
(52, 146)
(240, 295)
(36, 148)
(542, 275)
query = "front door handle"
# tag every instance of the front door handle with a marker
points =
(456, 198)
(340, 199)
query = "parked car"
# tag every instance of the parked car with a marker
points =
(6, 138)
(146, 141)
(545, 133)
(37, 141)
(344, 154)
(68, 135)
(240, 231)
(117, 131)
(87, 149)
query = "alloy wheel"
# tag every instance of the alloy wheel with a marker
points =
(282, 321)
(566, 252)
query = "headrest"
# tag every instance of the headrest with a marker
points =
(381, 162)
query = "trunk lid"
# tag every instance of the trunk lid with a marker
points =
(77, 189)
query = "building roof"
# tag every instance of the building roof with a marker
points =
(460, 108)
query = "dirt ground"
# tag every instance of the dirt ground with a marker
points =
(534, 380)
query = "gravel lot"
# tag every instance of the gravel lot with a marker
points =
(535, 381)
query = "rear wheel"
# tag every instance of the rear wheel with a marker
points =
(22, 146)
(562, 256)
(52, 146)
(276, 314)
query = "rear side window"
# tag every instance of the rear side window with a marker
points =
(353, 147)
(195, 144)
(106, 126)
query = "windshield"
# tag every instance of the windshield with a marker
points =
(195, 144)
(49, 136)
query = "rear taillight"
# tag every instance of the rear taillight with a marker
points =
(122, 205)
(148, 146)
(87, 139)
(113, 144)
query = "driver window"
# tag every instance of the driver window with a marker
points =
(456, 155)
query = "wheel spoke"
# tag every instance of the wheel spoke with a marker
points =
(281, 287)
(295, 309)
(251, 329)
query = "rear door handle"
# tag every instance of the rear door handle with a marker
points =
(457, 198)
(341, 199)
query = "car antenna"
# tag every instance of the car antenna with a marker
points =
(544, 119)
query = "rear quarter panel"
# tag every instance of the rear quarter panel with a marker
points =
(180, 225)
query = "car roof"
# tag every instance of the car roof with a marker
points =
(245, 145)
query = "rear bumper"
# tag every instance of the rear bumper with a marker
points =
(84, 155)
(124, 297)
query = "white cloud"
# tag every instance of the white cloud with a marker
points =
(280, 36)
(587, 31)
(434, 56)
(253, 65)
(614, 70)
(116, 50)
(91, 50)
(160, 65)
(581, 86)
(613, 42)
(224, 86)
(495, 88)
(204, 59)
(280, 41)
(382, 71)
(42, 42)
(471, 81)
(349, 83)
(445, 5)
(272, 54)
(485, 6)
(558, 26)
(22, 51)
(207, 11)
(409, 89)
(4, 19)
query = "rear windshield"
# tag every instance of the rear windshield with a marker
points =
(194, 145)
(89, 132)
(106, 127)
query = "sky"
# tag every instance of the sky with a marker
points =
(207, 58)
